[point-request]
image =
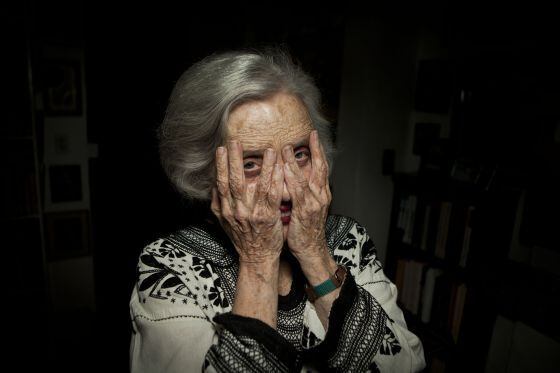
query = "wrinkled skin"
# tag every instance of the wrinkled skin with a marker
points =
(273, 158)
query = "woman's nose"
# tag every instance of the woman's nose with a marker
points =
(285, 193)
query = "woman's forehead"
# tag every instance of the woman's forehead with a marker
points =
(275, 122)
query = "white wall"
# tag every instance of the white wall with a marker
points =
(375, 105)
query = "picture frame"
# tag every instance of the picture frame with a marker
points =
(68, 234)
(62, 87)
(65, 183)
(66, 187)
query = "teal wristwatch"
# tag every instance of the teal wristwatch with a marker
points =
(331, 284)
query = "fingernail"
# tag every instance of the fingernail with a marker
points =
(220, 150)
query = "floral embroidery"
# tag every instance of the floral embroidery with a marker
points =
(167, 249)
(390, 344)
(216, 295)
(200, 267)
(349, 243)
(347, 262)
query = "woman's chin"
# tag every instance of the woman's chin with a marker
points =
(285, 231)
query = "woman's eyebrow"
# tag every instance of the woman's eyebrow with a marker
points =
(253, 153)
(304, 141)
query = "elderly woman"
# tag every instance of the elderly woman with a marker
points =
(273, 283)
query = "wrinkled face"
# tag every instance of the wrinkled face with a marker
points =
(273, 123)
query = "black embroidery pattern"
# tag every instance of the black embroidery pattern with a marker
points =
(356, 354)
(216, 295)
(290, 324)
(368, 252)
(166, 249)
(361, 230)
(350, 242)
(159, 281)
(373, 368)
(308, 339)
(345, 261)
(336, 230)
(390, 344)
(242, 354)
(200, 267)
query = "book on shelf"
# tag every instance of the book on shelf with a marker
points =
(443, 229)
(458, 307)
(412, 204)
(409, 282)
(456, 232)
(425, 227)
(406, 218)
(432, 295)
(406, 287)
(428, 293)
(466, 244)
(416, 278)
(440, 301)
(401, 217)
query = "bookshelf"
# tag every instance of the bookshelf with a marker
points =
(446, 238)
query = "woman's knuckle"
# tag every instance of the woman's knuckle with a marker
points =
(240, 215)
(273, 194)
(258, 217)
(222, 187)
(314, 184)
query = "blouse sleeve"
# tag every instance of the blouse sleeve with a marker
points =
(367, 330)
(172, 333)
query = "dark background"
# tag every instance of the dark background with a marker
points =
(507, 58)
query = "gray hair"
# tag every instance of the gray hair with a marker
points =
(202, 99)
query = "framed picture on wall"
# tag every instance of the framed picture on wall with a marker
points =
(62, 87)
(68, 234)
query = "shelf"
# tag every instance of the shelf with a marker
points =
(12, 138)
(406, 251)
(439, 187)
(21, 217)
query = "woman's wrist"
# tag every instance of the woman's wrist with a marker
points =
(318, 267)
(256, 293)
(260, 271)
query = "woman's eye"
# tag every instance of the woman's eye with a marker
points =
(250, 165)
(301, 155)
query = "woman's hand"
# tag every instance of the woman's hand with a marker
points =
(249, 213)
(310, 203)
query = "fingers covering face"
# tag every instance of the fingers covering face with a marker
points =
(222, 181)
(232, 189)
(319, 172)
(317, 185)
(265, 177)
(236, 174)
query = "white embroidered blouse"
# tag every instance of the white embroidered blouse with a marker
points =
(181, 319)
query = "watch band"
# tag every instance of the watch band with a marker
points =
(328, 286)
